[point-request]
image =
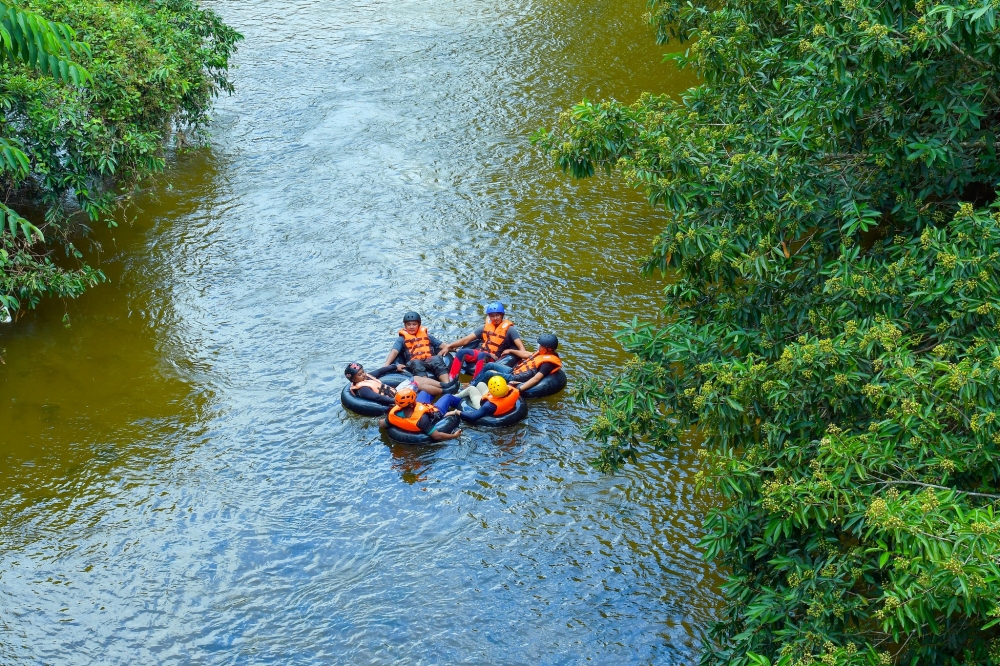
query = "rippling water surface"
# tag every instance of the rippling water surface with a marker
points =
(178, 481)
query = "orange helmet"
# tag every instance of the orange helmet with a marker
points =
(406, 398)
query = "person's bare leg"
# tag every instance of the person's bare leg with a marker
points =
(426, 384)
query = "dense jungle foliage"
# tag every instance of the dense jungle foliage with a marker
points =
(830, 331)
(90, 93)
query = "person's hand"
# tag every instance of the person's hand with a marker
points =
(514, 384)
(401, 367)
(444, 350)
(454, 412)
(505, 352)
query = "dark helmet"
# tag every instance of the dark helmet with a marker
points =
(411, 316)
(353, 369)
(549, 341)
(494, 308)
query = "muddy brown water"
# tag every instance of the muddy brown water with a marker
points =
(178, 481)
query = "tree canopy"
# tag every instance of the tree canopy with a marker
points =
(29, 40)
(830, 326)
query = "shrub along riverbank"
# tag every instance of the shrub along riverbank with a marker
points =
(832, 332)
(79, 145)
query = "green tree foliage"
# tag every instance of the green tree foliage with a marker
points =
(831, 329)
(48, 48)
(78, 141)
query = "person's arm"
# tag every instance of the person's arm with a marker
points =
(426, 424)
(435, 344)
(539, 376)
(368, 394)
(516, 340)
(394, 352)
(457, 344)
(512, 345)
(486, 408)
(383, 424)
(520, 353)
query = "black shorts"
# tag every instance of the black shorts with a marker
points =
(432, 367)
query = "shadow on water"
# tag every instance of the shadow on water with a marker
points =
(180, 483)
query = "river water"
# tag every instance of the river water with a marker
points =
(178, 481)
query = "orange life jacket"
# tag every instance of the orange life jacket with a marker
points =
(505, 404)
(374, 385)
(419, 345)
(494, 336)
(534, 362)
(397, 419)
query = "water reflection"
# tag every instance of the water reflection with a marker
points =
(79, 399)
(410, 462)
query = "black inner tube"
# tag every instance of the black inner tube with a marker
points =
(448, 424)
(518, 414)
(389, 376)
(550, 385)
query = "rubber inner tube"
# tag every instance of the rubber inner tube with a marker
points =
(518, 414)
(388, 376)
(550, 385)
(449, 424)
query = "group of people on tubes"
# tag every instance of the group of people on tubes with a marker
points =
(503, 369)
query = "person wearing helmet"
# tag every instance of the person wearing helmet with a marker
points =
(412, 416)
(496, 338)
(532, 368)
(493, 398)
(418, 350)
(371, 388)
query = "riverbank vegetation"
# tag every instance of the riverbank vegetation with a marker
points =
(830, 331)
(91, 91)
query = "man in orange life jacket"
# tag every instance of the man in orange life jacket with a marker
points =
(372, 389)
(418, 350)
(495, 337)
(416, 417)
(532, 369)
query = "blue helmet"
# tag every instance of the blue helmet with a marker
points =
(494, 308)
